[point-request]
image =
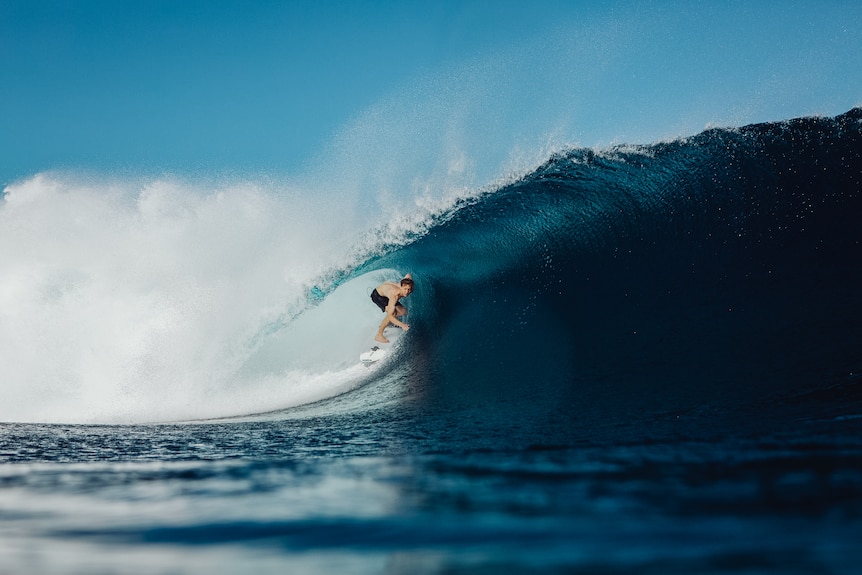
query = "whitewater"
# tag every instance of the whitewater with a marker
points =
(141, 301)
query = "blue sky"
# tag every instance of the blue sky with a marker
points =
(189, 86)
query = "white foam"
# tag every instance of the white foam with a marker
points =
(134, 301)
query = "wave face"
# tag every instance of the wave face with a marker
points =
(719, 271)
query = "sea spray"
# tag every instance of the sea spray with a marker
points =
(126, 300)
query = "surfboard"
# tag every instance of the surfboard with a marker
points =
(381, 350)
(373, 356)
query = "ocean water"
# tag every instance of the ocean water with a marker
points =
(636, 359)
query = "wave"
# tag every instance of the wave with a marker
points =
(719, 269)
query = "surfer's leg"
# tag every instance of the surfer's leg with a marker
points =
(379, 337)
(400, 310)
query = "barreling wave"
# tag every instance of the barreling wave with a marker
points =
(718, 268)
(713, 270)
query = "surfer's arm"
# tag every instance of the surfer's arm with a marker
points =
(390, 315)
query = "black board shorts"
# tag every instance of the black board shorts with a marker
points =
(381, 301)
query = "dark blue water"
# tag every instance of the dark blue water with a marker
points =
(639, 360)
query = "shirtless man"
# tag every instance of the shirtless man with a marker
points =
(386, 297)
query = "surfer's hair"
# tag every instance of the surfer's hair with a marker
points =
(407, 282)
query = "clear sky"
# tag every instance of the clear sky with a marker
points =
(246, 85)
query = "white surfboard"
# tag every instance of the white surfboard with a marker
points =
(373, 356)
(381, 350)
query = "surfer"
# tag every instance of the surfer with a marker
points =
(386, 296)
